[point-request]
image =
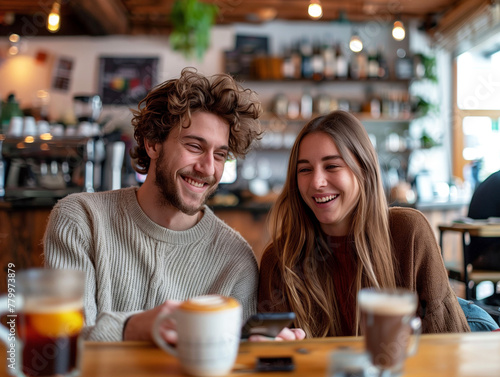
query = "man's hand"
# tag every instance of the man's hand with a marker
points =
(139, 326)
(285, 334)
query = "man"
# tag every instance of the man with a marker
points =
(145, 249)
(485, 203)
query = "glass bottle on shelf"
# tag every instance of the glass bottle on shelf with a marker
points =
(306, 105)
(9, 108)
(383, 69)
(359, 66)
(287, 67)
(318, 65)
(363, 65)
(296, 61)
(329, 60)
(403, 65)
(306, 51)
(373, 65)
(375, 107)
(354, 66)
(342, 64)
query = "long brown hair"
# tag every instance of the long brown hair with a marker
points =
(297, 239)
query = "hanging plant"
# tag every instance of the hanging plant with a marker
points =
(192, 21)
(424, 107)
(429, 67)
(427, 141)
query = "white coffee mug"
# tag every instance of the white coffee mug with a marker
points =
(29, 128)
(15, 126)
(209, 329)
(43, 127)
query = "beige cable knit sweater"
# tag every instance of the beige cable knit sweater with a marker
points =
(133, 264)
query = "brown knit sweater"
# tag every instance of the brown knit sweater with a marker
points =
(419, 267)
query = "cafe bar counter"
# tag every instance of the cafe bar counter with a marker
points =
(23, 222)
(443, 355)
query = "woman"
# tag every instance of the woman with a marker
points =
(333, 234)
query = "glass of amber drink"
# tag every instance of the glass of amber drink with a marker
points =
(49, 314)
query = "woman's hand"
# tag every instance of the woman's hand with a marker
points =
(285, 335)
(291, 334)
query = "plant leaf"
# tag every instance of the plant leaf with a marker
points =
(191, 21)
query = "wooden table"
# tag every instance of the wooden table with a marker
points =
(443, 355)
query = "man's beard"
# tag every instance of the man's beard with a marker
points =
(170, 194)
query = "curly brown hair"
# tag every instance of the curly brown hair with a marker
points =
(172, 103)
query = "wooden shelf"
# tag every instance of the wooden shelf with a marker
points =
(334, 81)
(363, 117)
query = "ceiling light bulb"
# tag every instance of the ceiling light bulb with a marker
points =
(267, 14)
(13, 50)
(14, 38)
(315, 10)
(54, 19)
(355, 44)
(398, 31)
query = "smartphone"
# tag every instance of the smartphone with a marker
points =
(267, 324)
(274, 364)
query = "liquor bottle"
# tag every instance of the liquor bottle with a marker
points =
(383, 69)
(354, 66)
(306, 105)
(9, 109)
(318, 64)
(306, 51)
(363, 65)
(296, 61)
(341, 63)
(373, 65)
(287, 67)
(329, 60)
(403, 66)
(375, 107)
(359, 66)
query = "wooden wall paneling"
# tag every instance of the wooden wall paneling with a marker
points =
(21, 234)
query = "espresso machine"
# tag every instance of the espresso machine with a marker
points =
(54, 168)
(87, 107)
(50, 166)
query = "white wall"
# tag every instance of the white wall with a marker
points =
(22, 75)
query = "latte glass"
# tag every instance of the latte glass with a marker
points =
(388, 320)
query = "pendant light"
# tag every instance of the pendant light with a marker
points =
(315, 9)
(398, 31)
(355, 44)
(54, 18)
(14, 42)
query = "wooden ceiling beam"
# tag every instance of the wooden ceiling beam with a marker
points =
(108, 15)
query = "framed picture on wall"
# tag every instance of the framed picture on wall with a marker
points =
(61, 77)
(126, 80)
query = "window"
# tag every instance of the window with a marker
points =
(478, 112)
